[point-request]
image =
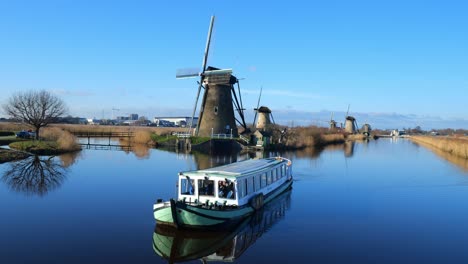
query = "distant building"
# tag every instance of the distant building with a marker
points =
(122, 118)
(133, 116)
(93, 121)
(175, 121)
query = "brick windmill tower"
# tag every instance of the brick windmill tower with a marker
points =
(220, 100)
(264, 115)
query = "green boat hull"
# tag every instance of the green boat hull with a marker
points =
(191, 216)
(186, 245)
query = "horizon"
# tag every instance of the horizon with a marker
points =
(391, 62)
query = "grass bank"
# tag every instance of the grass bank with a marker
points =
(457, 146)
(53, 141)
(7, 155)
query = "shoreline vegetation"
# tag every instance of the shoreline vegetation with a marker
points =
(53, 141)
(456, 146)
(58, 138)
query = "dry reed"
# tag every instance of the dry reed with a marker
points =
(356, 137)
(65, 140)
(452, 145)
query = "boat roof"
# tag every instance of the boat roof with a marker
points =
(237, 169)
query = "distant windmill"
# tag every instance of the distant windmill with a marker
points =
(264, 115)
(350, 123)
(332, 122)
(219, 100)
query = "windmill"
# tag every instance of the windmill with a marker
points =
(264, 115)
(350, 123)
(332, 122)
(219, 99)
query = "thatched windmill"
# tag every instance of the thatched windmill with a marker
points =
(219, 99)
(265, 117)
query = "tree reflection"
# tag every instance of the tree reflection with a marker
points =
(34, 175)
(69, 159)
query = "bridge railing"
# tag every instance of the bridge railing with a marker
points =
(221, 136)
(102, 134)
(245, 139)
(182, 134)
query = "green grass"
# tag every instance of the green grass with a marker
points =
(162, 139)
(38, 147)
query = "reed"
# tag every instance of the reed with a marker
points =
(312, 136)
(65, 140)
(354, 137)
(10, 126)
(457, 146)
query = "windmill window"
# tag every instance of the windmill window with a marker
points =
(216, 110)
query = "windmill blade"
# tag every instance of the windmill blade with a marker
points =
(258, 104)
(205, 59)
(240, 98)
(347, 111)
(185, 73)
(271, 115)
(238, 108)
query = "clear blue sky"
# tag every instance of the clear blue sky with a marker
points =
(407, 57)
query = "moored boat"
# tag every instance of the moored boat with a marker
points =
(220, 246)
(223, 196)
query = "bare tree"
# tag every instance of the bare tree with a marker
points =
(37, 108)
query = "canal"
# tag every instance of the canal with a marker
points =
(383, 201)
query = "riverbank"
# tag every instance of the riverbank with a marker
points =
(7, 155)
(457, 146)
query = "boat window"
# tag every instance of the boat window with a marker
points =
(273, 175)
(269, 178)
(264, 180)
(257, 182)
(250, 185)
(226, 190)
(187, 186)
(283, 168)
(241, 188)
(278, 173)
(206, 187)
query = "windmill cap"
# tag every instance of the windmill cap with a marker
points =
(264, 109)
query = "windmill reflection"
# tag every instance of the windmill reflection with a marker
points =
(35, 175)
(226, 246)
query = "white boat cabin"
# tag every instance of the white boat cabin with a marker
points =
(233, 184)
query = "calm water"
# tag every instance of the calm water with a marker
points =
(378, 202)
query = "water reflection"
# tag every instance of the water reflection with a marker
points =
(141, 151)
(69, 159)
(34, 175)
(179, 245)
(458, 161)
(205, 161)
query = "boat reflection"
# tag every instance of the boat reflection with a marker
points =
(35, 175)
(226, 246)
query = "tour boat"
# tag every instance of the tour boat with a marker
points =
(223, 196)
(221, 246)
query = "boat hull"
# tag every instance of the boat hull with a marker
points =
(192, 216)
